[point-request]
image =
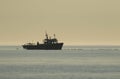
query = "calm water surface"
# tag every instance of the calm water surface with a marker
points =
(73, 62)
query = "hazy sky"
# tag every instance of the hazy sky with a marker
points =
(81, 22)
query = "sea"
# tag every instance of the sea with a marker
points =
(72, 62)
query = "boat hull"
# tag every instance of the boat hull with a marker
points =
(57, 46)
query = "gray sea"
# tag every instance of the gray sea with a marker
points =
(72, 62)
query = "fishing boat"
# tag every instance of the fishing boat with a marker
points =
(48, 44)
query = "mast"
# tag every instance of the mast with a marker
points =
(54, 35)
(46, 35)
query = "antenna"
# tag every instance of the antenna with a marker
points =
(54, 35)
(46, 35)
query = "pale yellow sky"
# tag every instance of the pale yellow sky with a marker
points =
(75, 22)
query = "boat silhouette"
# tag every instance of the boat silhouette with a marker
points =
(48, 44)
